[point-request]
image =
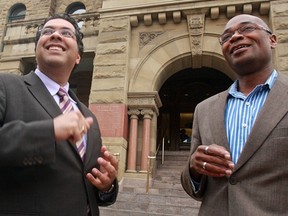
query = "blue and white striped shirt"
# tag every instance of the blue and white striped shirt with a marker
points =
(241, 112)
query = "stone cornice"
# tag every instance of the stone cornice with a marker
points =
(178, 10)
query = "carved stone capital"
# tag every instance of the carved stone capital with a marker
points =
(144, 100)
(133, 112)
(147, 113)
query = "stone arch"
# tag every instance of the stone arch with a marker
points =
(171, 56)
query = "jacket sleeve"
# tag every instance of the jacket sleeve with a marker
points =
(108, 198)
(23, 143)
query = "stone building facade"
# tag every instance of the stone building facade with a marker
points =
(147, 63)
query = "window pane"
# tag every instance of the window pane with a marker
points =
(17, 12)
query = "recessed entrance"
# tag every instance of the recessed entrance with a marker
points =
(179, 95)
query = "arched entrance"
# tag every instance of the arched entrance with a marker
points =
(179, 95)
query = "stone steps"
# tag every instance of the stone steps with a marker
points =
(165, 197)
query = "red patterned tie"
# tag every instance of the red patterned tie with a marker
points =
(66, 106)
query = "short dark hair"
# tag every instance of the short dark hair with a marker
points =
(67, 17)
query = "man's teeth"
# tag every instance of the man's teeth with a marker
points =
(55, 48)
(241, 47)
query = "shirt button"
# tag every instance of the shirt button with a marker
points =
(244, 125)
(247, 103)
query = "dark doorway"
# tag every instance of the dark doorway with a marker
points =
(179, 95)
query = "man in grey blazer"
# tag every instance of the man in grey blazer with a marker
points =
(239, 150)
(42, 172)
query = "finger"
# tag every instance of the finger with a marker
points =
(108, 156)
(216, 150)
(107, 167)
(100, 180)
(87, 122)
(94, 180)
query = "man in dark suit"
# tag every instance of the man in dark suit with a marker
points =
(238, 162)
(42, 170)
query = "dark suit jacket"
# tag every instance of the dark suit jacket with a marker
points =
(259, 183)
(39, 176)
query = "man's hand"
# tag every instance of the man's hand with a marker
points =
(212, 160)
(104, 178)
(71, 126)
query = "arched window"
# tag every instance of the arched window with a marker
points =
(17, 12)
(76, 8)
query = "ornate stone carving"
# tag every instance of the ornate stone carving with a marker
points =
(146, 37)
(144, 100)
(147, 113)
(196, 26)
(31, 28)
(133, 112)
(196, 30)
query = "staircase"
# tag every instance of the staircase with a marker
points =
(166, 196)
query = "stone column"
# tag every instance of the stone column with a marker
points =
(147, 116)
(132, 145)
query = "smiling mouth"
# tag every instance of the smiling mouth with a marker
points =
(239, 47)
(56, 48)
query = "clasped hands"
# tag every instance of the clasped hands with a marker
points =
(212, 160)
(71, 126)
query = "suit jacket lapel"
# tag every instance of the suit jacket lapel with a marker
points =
(217, 122)
(41, 94)
(274, 108)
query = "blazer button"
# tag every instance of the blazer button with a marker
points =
(233, 180)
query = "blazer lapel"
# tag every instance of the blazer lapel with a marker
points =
(273, 110)
(217, 122)
(41, 94)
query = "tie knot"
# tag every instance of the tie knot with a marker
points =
(64, 101)
(63, 95)
(61, 92)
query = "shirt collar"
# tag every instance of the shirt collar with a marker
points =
(51, 85)
(233, 91)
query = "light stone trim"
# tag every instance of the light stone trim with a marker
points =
(144, 100)
(212, 10)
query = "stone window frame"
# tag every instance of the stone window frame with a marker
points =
(17, 12)
(76, 8)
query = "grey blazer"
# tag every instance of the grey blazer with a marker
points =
(259, 184)
(38, 175)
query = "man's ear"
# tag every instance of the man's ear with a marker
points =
(78, 59)
(273, 41)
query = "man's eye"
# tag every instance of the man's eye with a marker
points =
(247, 29)
(226, 37)
(66, 33)
(47, 31)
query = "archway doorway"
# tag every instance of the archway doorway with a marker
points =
(179, 95)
